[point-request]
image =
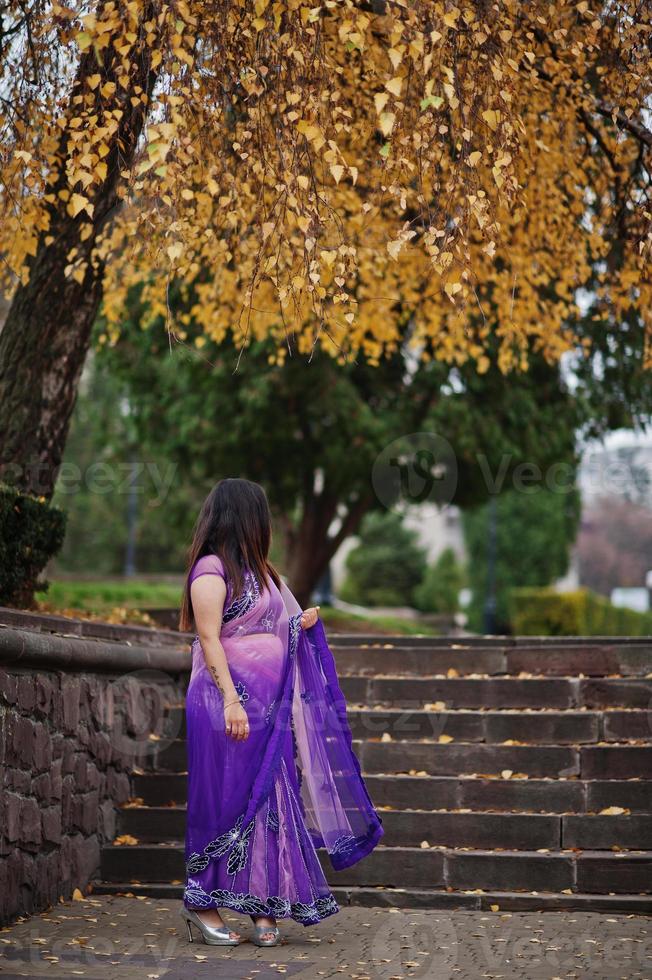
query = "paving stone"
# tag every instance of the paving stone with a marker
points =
(379, 943)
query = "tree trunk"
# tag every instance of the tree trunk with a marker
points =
(47, 332)
(309, 548)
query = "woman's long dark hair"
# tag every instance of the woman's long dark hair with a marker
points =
(234, 523)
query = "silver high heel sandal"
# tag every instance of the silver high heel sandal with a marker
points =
(260, 932)
(212, 935)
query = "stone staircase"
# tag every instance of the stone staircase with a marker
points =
(508, 772)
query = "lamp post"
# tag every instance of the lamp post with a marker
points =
(490, 595)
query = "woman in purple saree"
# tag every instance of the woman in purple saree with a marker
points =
(271, 770)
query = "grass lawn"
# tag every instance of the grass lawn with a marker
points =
(123, 601)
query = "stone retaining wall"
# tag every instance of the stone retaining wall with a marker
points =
(75, 719)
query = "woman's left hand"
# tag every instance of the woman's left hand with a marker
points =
(309, 617)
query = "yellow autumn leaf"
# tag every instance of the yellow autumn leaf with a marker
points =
(475, 157)
(445, 739)
(386, 122)
(394, 85)
(79, 203)
(452, 288)
(175, 251)
(491, 117)
(337, 170)
(380, 100)
(450, 18)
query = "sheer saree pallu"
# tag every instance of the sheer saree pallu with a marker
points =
(259, 808)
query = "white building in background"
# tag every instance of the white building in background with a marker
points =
(620, 466)
(436, 528)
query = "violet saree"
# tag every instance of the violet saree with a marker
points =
(259, 808)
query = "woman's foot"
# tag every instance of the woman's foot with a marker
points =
(213, 918)
(261, 921)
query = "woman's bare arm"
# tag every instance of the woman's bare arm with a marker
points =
(208, 593)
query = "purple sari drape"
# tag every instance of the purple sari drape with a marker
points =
(258, 808)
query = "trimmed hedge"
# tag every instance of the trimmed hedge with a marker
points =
(31, 532)
(544, 612)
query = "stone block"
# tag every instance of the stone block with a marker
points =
(26, 693)
(44, 689)
(8, 687)
(616, 761)
(51, 824)
(601, 832)
(71, 695)
(620, 873)
(11, 829)
(42, 759)
(30, 822)
(502, 871)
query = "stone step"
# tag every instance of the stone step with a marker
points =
(409, 827)
(500, 692)
(553, 661)
(453, 792)
(454, 758)
(603, 872)
(428, 898)
(585, 761)
(550, 727)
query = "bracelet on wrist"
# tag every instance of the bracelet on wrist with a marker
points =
(227, 703)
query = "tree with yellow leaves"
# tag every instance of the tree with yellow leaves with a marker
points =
(315, 170)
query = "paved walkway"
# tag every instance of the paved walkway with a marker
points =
(107, 938)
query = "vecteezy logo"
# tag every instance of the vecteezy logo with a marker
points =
(414, 469)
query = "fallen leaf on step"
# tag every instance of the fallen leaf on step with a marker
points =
(614, 811)
(445, 739)
(77, 896)
(495, 908)
(385, 737)
(125, 839)
(507, 773)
